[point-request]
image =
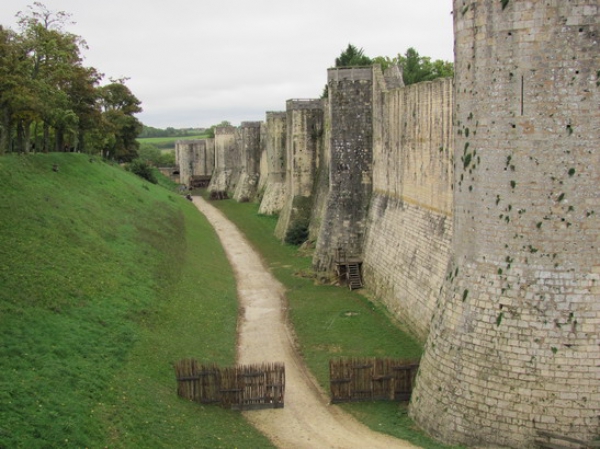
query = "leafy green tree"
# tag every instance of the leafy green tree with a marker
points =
(385, 61)
(148, 153)
(84, 94)
(50, 101)
(118, 108)
(53, 57)
(14, 91)
(18, 93)
(167, 159)
(142, 169)
(417, 68)
(352, 57)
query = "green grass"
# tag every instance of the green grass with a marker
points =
(105, 281)
(168, 142)
(332, 322)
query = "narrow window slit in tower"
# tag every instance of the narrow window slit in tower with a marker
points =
(522, 92)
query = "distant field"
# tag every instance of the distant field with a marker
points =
(168, 142)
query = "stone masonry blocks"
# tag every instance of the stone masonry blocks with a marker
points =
(518, 316)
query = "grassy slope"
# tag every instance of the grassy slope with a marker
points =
(104, 282)
(324, 327)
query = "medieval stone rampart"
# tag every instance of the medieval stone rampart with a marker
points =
(409, 227)
(474, 208)
(273, 164)
(350, 171)
(227, 159)
(195, 158)
(248, 171)
(513, 347)
(304, 125)
(321, 188)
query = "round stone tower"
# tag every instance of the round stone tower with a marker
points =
(514, 347)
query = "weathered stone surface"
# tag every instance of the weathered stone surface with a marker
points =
(273, 163)
(226, 159)
(195, 158)
(407, 248)
(304, 125)
(350, 171)
(249, 151)
(513, 346)
(474, 206)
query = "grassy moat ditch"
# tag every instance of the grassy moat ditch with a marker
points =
(106, 280)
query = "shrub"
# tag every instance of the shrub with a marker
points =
(297, 234)
(143, 170)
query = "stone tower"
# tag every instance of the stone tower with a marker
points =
(249, 167)
(226, 158)
(272, 177)
(514, 344)
(350, 111)
(195, 158)
(304, 125)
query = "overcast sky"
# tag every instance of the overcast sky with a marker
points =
(197, 63)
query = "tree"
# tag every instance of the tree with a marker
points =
(13, 78)
(84, 94)
(149, 153)
(142, 169)
(50, 101)
(352, 57)
(53, 57)
(416, 68)
(40, 15)
(118, 108)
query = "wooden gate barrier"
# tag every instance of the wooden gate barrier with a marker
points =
(239, 387)
(371, 379)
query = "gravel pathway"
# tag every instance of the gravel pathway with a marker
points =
(307, 420)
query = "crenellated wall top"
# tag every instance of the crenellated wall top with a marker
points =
(275, 114)
(250, 124)
(350, 74)
(303, 103)
(224, 130)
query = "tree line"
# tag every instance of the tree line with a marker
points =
(49, 101)
(149, 131)
(414, 67)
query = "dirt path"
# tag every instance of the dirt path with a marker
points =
(306, 421)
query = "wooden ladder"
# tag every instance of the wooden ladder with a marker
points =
(354, 280)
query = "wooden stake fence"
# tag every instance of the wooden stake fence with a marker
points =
(371, 379)
(238, 387)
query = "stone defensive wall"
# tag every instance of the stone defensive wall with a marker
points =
(236, 160)
(272, 184)
(227, 159)
(473, 205)
(195, 158)
(304, 124)
(350, 108)
(514, 347)
(247, 172)
(409, 224)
